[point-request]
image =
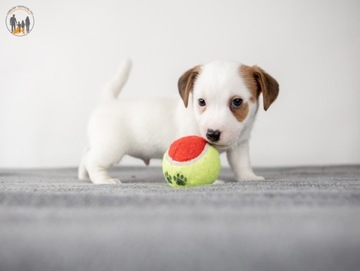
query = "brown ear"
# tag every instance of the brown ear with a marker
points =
(267, 85)
(186, 83)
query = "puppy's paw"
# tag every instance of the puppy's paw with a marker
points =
(113, 181)
(250, 177)
(219, 182)
(108, 181)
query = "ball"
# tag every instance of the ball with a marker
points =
(191, 161)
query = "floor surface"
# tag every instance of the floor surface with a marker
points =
(301, 218)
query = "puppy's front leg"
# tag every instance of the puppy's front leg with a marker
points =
(239, 160)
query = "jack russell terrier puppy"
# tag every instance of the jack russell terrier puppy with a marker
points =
(219, 103)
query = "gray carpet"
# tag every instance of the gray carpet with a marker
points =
(298, 219)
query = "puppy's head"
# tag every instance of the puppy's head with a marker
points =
(224, 97)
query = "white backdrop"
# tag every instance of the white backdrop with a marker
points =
(51, 78)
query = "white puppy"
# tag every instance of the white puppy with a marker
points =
(219, 103)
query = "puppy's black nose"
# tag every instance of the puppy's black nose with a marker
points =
(212, 135)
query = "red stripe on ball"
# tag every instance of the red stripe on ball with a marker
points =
(187, 148)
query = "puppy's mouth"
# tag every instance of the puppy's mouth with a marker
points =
(220, 146)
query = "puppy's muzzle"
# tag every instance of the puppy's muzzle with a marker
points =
(212, 135)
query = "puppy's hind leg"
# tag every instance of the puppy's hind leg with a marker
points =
(99, 175)
(98, 163)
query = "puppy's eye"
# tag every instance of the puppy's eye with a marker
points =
(236, 102)
(201, 102)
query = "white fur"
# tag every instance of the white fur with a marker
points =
(145, 128)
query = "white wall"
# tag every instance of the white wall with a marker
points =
(50, 79)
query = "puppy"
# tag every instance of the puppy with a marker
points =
(219, 102)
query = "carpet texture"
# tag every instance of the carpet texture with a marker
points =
(303, 218)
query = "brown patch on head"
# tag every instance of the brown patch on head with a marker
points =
(247, 73)
(186, 83)
(240, 112)
(258, 81)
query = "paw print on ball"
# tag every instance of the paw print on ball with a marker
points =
(177, 179)
(180, 179)
(168, 177)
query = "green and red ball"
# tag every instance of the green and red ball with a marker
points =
(191, 161)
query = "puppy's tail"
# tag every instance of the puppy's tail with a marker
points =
(113, 89)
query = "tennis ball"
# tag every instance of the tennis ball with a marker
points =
(190, 161)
